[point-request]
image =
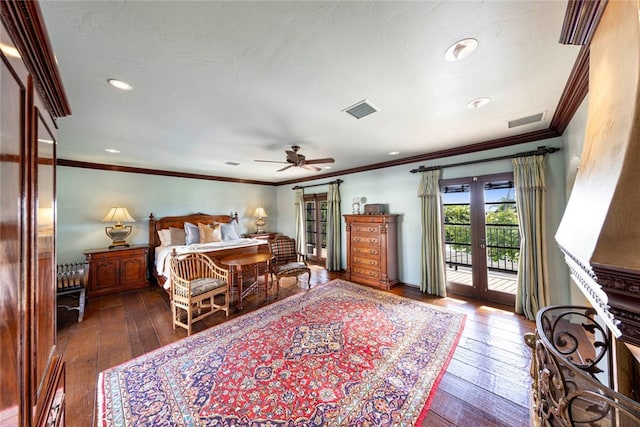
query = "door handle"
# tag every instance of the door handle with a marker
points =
(483, 243)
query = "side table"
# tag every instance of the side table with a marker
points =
(237, 261)
(267, 235)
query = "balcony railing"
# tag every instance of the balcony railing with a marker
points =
(569, 351)
(503, 246)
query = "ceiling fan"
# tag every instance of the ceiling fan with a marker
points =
(298, 160)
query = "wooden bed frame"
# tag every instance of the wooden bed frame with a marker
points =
(178, 222)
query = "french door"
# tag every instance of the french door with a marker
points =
(315, 207)
(482, 240)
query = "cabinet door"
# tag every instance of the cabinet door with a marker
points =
(12, 232)
(104, 274)
(44, 297)
(133, 270)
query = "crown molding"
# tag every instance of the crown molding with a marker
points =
(145, 171)
(27, 29)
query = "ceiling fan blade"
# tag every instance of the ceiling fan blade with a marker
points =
(269, 161)
(284, 168)
(309, 167)
(316, 161)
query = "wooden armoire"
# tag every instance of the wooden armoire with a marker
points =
(31, 373)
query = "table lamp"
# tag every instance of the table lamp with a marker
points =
(260, 221)
(118, 233)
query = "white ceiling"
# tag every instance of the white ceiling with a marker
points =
(237, 81)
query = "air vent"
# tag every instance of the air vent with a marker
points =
(525, 120)
(361, 109)
(232, 163)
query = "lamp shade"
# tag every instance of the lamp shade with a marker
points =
(118, 215)
(260, 213)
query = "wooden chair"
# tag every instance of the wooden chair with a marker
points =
(71, 280)
(286, 261)
(195, 282)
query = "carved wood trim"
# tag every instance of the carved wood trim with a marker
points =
(581, 20)
(574, 92)
(24, 22)
(622, 287)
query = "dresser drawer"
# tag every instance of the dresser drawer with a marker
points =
(372, 274)
(366, 239)
(364, 229)
(365, 262)
(365, 250)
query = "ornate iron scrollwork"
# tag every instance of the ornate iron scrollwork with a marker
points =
(570, 348)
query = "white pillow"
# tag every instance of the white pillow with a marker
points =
(171, 236)
(229, 231)
(165, 236)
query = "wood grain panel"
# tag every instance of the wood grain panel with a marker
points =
(12, 295)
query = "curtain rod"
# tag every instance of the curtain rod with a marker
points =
(337, 181)
(541, 151)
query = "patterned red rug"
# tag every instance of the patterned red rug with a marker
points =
(340, 354)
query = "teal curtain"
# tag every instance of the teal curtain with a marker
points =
(433, 278)
(334, 244)
(301, 235)
(529, 181)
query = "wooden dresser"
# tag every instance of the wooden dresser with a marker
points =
(372, 255)
(117, 270)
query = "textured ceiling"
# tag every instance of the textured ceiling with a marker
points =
(218, 82)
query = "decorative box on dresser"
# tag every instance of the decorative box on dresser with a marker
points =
(117, 270)
(32, 376)
(372, 255)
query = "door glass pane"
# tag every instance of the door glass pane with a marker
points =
(310, 212)
(456, 200)
(502, 236)
(323, 229)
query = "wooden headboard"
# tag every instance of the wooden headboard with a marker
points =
(178, 222)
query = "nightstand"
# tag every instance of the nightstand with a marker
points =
(116, 270)
(264, 236)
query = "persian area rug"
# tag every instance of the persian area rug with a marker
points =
(340, 354)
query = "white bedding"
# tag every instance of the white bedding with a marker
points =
(163, 252)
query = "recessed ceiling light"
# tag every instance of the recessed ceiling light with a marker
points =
(461, 49)
(394, 153)
(326, 167)
(119, 84)
(478, 102)
(112, 150)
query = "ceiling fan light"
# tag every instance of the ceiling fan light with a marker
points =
(461, 49)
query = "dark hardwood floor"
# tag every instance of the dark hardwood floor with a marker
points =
(486, 384)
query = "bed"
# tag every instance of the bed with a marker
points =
(159, 254)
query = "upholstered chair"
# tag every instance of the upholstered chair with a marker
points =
(287, 262)
(196, 281)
